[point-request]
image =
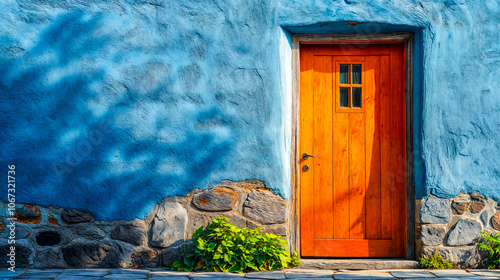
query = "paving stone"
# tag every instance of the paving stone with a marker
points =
(73, 216)
(169, 224)
(465, 232)
(128, 271)
(169, 273)
(85, 272)
(216, 278)
(126, 276)
(451, 273)
(485, 272)
(265, 207)
(435, 211)
(432, 236)
(367, 274)
(266, 275)
(4, 273)
(217, 275)
(308, 273)
(42, 273)
(411, 274)
(169, 278)
(76, 277)
(215, 199)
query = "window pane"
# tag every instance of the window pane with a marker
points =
(356, 97)
(344, 97)
(356, 74)
(344, 73)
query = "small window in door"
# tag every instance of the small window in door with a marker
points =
(350, 86)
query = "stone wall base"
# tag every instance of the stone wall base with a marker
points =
(453, 226)
(48, 237)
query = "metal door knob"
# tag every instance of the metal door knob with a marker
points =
(305, 167)
(306, 156)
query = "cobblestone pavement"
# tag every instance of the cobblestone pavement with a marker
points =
(157, 274)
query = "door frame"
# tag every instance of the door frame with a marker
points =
(378, 38)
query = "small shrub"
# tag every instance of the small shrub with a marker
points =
(225, 247)
(435, 261)
(490, 242)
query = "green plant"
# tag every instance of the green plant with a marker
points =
(435, 261)
(490, 242)
(225, 247)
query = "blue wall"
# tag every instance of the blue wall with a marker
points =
(109, 107)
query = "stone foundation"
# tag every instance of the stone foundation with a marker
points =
(48, 237)
(452, 226)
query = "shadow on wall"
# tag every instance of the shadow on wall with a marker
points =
(93, 127)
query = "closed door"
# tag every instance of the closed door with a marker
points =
(352, 120)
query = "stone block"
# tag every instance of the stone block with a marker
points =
(144, 257)
(133, 233)
(478, 203)
(495, 221)
(170, 255)
(72, 216)
(485, 218)
(216, 199)
(462, 257)
(265, 208)
(49, 258)
(90, 254)
(277, 229)
(195, 220)
(91, 232)
(459, 207)
(169, 224)
(465, 232)
(435, 211)
(28, 214)
(432, 236)
(22, 252)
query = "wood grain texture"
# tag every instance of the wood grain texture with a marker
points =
(323, 136)
(359, 248)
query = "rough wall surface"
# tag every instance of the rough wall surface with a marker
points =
(110, 106)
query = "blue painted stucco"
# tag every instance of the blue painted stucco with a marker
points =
(109, 106)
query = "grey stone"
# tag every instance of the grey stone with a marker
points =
(411, 274)
(129, 271)
(73, 216)
(169, 224)
(278, 229)
(215, 199)
(308, 273)
(459, 207)
(95, 254)
(195, 220)
(49, 258)
(237, 221)
(42, 273)
(465, 232)
(435, 211)
(495, 221)
(266, 275)
(451, 273)
(133, 233)
(484, 218)
(91, 232)
(145, 257)
(170, 255)
(432, 236)
(85, 272)
(462, 257)
(206, 275)
(485, 272)
(125, 276)
(166, 273)
(265, 208)
(370, 274)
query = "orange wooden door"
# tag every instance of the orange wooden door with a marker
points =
(352, 119)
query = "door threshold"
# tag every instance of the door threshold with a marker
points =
(337, 264)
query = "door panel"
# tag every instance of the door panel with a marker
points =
(353, 196)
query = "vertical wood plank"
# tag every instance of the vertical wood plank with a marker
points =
(357, 175)
(371, 76)
(340, 169)
(306, 143)
(397, 142)
(323, 138)
(385, 138)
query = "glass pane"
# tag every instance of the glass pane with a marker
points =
(344, 73)
(356, 74)
(356, 97)
(344, 97)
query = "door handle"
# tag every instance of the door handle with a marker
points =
(306, 156)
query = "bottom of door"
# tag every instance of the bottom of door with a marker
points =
(345, 248)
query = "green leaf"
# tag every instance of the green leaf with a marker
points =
(177, 263)
(197, 232)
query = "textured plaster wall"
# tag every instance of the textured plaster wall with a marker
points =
(109, 106)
